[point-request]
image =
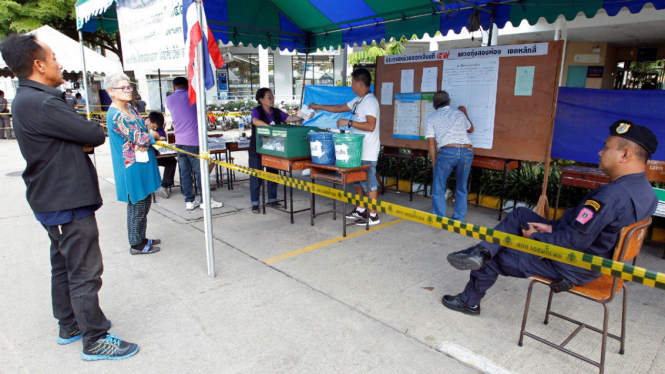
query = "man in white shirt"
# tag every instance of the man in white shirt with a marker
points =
(447, 131)
(365, 108)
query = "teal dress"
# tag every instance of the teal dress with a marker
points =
(134, 181)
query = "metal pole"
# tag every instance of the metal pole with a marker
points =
(304, 74)
(161, 101)
(203, 144)
(345, 62)
(84, 74)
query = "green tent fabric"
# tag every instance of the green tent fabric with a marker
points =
(308, 25)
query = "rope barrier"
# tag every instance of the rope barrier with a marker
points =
(567, 256)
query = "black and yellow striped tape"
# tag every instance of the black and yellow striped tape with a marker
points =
(561, 254)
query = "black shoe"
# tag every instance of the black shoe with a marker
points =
(472, 258)
(109, 348)
(274, 204)
(373, 220)
(455, 303)
(151, 241)
(143, 250)
(256, 209)
(70, 336)
(355, 213)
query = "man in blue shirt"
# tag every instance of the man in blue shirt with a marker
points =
(63, 192)
(592, 227)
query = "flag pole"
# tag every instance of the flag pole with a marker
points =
(203, 143)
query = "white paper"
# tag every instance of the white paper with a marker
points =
(316, 148)
(243, 142)
(387, 93)
(473, 83)
(429, 80)
(524, 80)
(407, 116)
(305, 113)
(142, 156)
(407, 81)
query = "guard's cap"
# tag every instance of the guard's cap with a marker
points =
(639, 134)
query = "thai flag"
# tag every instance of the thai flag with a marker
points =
(211, 54)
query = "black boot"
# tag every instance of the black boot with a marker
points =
(472, 258)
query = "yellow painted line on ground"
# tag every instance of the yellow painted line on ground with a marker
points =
(330, 241)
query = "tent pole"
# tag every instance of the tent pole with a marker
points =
(161, 101)
(304, 74)
(345, 63)
(84, 74)
(203, 144)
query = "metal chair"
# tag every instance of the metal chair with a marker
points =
(602, 291)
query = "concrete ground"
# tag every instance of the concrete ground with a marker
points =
(292, 298)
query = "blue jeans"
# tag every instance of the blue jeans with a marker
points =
(460, 160)
(255, 183)
(373, 183)
(188, 164)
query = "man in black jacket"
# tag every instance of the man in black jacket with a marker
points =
(63, 192)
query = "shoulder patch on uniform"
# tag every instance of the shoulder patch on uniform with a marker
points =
(594, 204)
(586, 215)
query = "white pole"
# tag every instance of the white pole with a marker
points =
(561, 33)
(84, 74)
(203, 144)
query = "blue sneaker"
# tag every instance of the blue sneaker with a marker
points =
(109, 348)
(65, 337)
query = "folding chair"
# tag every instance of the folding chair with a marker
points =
(602, 291)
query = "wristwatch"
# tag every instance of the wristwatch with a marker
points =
(350, 124)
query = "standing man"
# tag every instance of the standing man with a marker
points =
(5, 118)
(63, 192)
(70, 99)
(365, 110)
(140, 104)
(186, 130)
(592, 227)
(447, 131)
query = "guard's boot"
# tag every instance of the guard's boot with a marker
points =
(472, 258)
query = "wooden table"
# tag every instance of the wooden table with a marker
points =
(581, 177)
(335, 175)
(395, 153)
(499, 164)
(232, 146)
(283, 165)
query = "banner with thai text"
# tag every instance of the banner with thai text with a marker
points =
(514, 50)
(151, 34)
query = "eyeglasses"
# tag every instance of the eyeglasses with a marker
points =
(124, 89)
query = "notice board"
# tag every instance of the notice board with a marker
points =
(522, 124)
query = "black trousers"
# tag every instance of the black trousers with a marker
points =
(507, 261)
(76, 270)
(169, 164)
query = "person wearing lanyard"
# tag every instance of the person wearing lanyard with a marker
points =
(447, 131)
(365, 109)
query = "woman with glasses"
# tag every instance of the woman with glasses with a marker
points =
(134, 161)
(264, 115)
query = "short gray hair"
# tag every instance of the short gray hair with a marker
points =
(112, 80)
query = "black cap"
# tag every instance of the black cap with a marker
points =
(639, 134)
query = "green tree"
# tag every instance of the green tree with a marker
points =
(26, 15)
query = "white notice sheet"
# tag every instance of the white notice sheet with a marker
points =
(524, 80)
(387, 93)
(473, 83)
(429, 80)
(407, 81)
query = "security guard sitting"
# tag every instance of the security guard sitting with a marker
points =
(592, 227)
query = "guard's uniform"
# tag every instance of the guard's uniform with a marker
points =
(593, 227)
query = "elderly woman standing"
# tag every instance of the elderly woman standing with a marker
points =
(134, 161)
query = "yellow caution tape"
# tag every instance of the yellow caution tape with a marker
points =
(567, 256)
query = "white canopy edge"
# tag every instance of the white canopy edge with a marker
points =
(68, 53)
(86, 9)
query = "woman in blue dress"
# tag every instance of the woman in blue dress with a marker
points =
(134, 161)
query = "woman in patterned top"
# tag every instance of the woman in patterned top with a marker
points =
(134, 161)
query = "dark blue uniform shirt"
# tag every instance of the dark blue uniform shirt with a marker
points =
(593, 226)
